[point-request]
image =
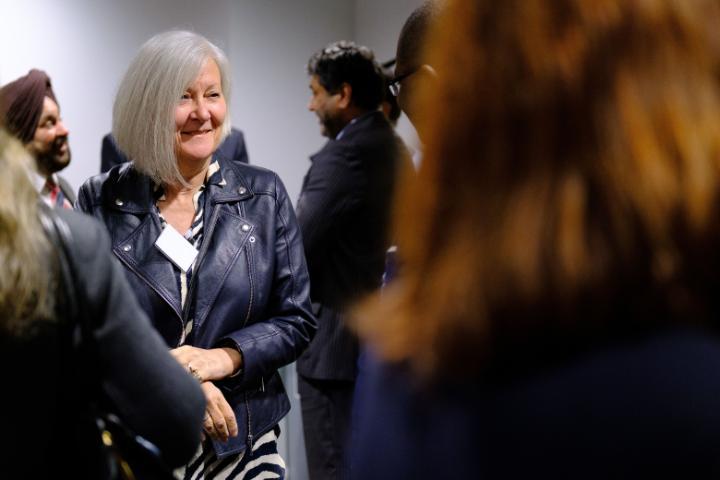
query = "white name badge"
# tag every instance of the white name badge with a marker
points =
(176, 248)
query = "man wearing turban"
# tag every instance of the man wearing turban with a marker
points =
(30, 112)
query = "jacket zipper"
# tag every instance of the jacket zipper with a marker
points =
(201, 257)
(249, 426)
(248, 258)
(252, 286)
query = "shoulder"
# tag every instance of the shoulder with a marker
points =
(66, 188)
(256, 180)
(87, 235)
(236, 136)
(370, 138)
(120, 178)
(89, 248)
(233, 146)
(122, 172)
(372, 126)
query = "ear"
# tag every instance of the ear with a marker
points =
(427, 70)
(345, 93)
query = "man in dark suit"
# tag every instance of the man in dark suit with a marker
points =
(343, 210)
(31, 113)
(232, 148)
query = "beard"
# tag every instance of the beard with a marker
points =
(55, 158)
(330, 126)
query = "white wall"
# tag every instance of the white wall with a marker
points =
(85, 46)
(271, 41)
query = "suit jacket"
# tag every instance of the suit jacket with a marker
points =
(233, 148)
(249, 287)
(48, 421)
(344, 210)
(66, 189)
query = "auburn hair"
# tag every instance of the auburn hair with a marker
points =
(569, 184)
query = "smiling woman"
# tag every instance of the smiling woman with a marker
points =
(199, 118)
(159, 84)
(198, 235)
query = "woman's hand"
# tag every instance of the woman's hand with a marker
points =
(219, 423)
(212, 364)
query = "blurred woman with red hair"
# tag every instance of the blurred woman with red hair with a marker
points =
(557, 310)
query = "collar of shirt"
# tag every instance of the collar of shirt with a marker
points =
(40, 181)
(353, 121)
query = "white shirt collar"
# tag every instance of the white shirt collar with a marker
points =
(40, 181)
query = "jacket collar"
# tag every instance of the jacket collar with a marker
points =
(359, 124)
(132, 192)
(359, 119)
(236, 185)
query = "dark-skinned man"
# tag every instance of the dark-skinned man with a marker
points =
(30, 112)
(343, 210)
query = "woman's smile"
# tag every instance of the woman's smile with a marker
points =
(200, 115)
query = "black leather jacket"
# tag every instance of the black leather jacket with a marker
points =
(250, 284)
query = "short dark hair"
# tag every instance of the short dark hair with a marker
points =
(411, 41)
(344, 62)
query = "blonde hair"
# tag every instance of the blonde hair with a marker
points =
(143, 113)
(28, 270)
(570, 183)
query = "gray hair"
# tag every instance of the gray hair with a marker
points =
(144, 109)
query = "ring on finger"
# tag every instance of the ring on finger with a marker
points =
(194, 372)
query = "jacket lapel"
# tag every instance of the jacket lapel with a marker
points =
(222, 247)
(226, 232)
(139, 254)
(135, 231)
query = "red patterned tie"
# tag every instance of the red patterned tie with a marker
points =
(57, 198)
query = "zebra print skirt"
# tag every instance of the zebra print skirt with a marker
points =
(264, 462)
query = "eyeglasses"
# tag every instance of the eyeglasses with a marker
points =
(394, 84)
